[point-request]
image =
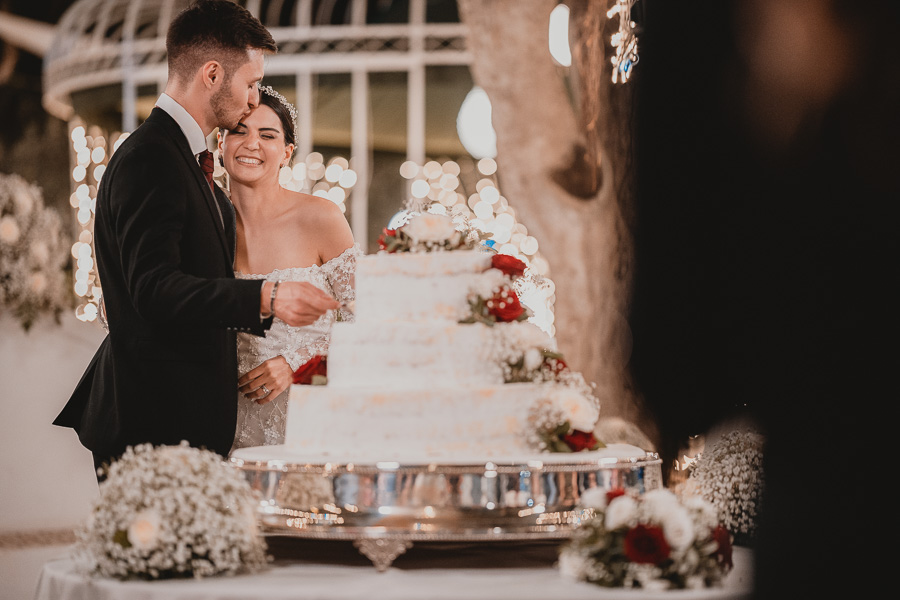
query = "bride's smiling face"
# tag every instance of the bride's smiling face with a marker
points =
(254, 150)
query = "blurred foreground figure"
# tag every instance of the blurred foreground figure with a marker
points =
(766, 253)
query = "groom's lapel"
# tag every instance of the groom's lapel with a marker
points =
(198, 178)
(230, 217)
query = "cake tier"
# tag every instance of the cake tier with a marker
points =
(427, 423)
(388, 355)
(421, 287)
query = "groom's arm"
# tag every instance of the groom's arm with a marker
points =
(151, 222)
(149, 205)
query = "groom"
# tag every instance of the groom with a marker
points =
(165, 240)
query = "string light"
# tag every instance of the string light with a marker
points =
(438, 188)
(334, 180)
(89, 147)
(624, 41)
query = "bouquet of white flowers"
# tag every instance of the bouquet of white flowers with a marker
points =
(33, 254)
(730, 476)
(653, 541)
(172, 511)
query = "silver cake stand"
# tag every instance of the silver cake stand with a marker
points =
(384, 507)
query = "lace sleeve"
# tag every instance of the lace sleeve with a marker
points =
(300, 349)
(339, 272)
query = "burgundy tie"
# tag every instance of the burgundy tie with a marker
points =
(206, 165)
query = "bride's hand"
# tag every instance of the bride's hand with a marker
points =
(267, 381)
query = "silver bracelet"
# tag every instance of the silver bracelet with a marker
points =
(272, 299)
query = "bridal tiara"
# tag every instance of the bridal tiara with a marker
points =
(269, 91)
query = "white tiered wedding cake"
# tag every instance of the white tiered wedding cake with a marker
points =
(440, 365)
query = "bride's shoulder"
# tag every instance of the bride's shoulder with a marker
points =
(313, 208)
(322, 222)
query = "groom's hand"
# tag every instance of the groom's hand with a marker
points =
(297, 303)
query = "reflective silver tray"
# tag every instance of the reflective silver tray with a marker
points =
(384, 507)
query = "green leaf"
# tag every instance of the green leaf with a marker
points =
(121, 538)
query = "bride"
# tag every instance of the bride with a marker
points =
(281, 236)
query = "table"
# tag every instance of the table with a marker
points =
(331, 570)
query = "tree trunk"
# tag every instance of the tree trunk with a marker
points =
(565, 166)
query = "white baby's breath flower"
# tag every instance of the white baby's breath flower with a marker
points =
(658, 503)
(729, 475)
(572, 565)
(250, 520)
(705, 514)
(143, 533)
(40, 252)
(32, 281)
(533, 359)
(23, 199)
(9, 230)
(621, 512)
(678, 528)
(594, 497)
(180, 503)
(37, 282)
(694, 582)
(486, 285)
(655, 585)
(579, 411)
(430, 227)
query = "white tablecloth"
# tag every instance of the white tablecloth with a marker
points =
(335, 571)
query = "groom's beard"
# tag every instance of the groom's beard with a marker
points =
(225, 119)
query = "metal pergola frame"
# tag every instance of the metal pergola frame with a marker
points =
(112, 42)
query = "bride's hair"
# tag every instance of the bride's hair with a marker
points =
(285, 111)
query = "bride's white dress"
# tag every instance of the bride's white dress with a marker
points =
(263, 424)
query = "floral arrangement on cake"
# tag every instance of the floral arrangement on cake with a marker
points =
(564, 420)
(312, 372)
(428, 232)
(33, 254)
(171, 511)
(653, 541)
(498, 301)
(526, 354)
(730, 476)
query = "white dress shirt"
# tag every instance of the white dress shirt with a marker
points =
(190, 128)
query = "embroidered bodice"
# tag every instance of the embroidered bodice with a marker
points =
(263, 424)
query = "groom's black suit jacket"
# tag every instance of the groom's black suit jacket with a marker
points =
(167, 371)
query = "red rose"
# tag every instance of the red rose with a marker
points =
(723, 552)
(317, 365)
(556, 365)
(505, 306)
(510, 265)
(385, 233)
(580, 440)
(646, 544)
(613, 494)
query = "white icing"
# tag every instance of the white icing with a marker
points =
(428, 422)
(421, 287)
(412, 355)
(429, 264)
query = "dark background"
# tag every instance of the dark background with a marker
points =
(33, 144)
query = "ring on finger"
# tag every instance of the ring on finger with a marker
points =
(265, 390)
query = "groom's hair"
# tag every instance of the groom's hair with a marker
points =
(217, 30)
